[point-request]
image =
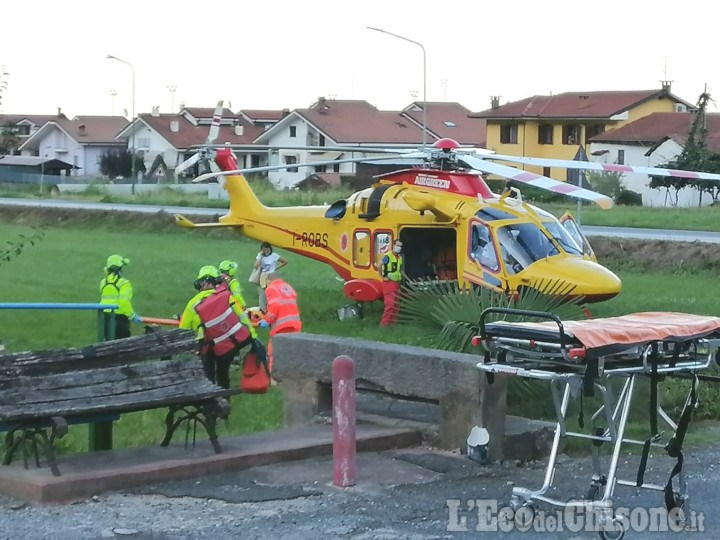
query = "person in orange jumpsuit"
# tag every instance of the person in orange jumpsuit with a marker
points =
(283, 315)
(392, 273)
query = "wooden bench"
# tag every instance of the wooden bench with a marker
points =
(42, 392)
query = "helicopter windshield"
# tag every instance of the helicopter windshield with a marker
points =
(563, 237)
(524, 243)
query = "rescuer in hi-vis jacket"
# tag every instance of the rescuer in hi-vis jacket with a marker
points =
(115, 289)
(391, 272)
(221, 332)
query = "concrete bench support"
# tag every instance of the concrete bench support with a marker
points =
(303, 362)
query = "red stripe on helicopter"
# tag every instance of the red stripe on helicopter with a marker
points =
(341, 271)
(297, 250)
(565, 188)
(684, 174)
(617, 168)
(526, 176)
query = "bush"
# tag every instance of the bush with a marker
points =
(627, 197)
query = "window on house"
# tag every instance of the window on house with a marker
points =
(23, 129)
(291, 160)
(143, 142)
(571, 134)
(509, 134)
(592, 130)
(545, 134)
(321, 140)
(293, 131)
(546, 172)
(320, 168)
(621, 157)
(336, 167)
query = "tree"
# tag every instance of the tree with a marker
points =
(9, 139)
(695, 156)
(114, 164)
(3, 81)
(607, 182)
(13, 249)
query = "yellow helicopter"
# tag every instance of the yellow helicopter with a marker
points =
(453, 227)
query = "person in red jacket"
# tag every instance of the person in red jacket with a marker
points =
(283, 315)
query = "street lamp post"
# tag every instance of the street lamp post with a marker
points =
(171, 88)
(132, 135)
(424, 76)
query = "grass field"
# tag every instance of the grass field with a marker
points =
(67, 266)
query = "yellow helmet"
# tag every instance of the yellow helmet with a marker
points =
(207, 274)
(228, 267)
(115, 263)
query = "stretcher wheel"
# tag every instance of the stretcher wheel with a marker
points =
(524, 516)
(615, 530)
(592, 493)
(679, 513)
(595, 486)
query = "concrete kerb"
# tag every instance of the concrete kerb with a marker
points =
(303, 363)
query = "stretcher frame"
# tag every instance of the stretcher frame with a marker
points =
(549, 351)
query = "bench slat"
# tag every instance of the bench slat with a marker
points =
(170, 369)
(191, 392)
(117, 352)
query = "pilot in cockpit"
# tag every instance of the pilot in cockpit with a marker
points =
(482, 249)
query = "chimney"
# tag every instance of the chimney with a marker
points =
(155, 111)
(59, 113)
(321, 103)
(81, 129)
(239, 130)
(494, 102)
(285, 112)
(174, 126)
(666, 86)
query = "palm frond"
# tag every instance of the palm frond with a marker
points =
(452, 315)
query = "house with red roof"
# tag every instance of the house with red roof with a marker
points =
(359, 128)
(16, 128)
(652, 141)
(166, 140)
(81, 142)
(556, 126)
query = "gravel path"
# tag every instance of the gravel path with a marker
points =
(399, 495)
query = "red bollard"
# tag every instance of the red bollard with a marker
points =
(343, 405)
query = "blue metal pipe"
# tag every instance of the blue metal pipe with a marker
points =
(50, 305)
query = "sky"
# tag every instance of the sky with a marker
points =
(281, 54)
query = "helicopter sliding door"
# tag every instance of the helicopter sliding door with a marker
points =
(429, 252)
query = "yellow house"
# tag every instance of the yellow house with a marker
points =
(557, 126)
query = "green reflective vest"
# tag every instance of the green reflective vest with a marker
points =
(393, 266)
(117, 290)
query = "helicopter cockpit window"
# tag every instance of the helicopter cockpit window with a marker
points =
(492, 214)
(523, 244)
(482, 248)
(573, 229)
(564, 238)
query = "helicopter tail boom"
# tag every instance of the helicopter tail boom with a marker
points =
(184, 222)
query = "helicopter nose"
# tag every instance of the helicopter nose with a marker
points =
(591, 280)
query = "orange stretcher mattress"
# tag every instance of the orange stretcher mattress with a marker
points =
(633, 329)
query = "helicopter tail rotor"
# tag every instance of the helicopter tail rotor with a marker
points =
(205, 155)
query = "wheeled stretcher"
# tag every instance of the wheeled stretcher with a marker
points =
(608, 356)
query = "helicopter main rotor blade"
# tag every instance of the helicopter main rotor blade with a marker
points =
(215, 126)
(192, 160)
(536, 180)
(605, 167)
(208, 176)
